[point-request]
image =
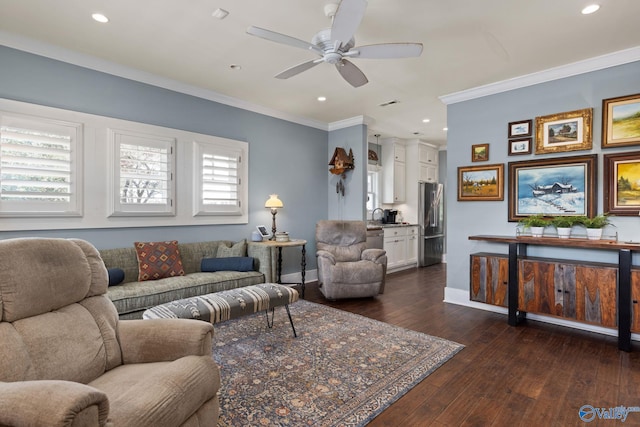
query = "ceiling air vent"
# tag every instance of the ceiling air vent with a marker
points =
(386, 104)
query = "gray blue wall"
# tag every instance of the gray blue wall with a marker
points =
(351, 206)
(285, 158)
(484, 120)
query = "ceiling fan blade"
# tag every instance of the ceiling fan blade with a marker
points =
(386, 51)
(351, 73)
(347, 20)
(283, 39)
(297, 69)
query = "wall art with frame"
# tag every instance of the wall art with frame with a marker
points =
(553, 187)
(481, 183)
(520, 146)
(621, 121)
(520, 129)
(480, 152)
(622, 183)
(570, 131)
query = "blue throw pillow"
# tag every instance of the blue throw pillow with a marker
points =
(116, 276)
(227, 264)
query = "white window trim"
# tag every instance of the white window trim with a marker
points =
(122, 136)
(223, 147)
(44, 209)
(94, 190)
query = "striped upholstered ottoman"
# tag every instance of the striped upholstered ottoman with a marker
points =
(225, 305)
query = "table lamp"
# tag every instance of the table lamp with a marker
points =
(274, 203)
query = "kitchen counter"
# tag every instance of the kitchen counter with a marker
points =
(379, 226)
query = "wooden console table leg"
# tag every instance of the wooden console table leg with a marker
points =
(624, 300)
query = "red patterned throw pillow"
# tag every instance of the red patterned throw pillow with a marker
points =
(157, 260)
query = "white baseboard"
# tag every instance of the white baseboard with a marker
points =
(461, 297)
(310, 276)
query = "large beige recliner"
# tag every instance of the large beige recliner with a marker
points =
(346, 268)
(66, 359)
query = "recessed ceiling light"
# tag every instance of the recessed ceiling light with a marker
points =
(322, 98)
(100, 18)
(590, 9)
(425, 120)
(220, 13)
(445, 129)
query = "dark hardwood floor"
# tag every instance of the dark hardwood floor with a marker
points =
(531, 375)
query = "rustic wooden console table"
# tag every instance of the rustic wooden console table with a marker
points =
(518, 248)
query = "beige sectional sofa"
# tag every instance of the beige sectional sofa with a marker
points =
(132, 297)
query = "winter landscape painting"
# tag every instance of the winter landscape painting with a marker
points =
(551, 188)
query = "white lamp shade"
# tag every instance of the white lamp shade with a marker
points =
(273, 202)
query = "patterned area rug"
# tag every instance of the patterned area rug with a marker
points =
(342, 370)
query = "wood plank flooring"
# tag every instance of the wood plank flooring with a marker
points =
(531, 375)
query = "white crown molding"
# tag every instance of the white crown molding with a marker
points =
(353, 121)
(91, 62)
(593, 64)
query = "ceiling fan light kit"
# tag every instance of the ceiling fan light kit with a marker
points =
(334, 45)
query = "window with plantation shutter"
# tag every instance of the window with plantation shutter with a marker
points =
(40, 167)
(69, 170)
(219, 177)
(143, 182)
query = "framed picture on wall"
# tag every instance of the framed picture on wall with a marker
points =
(560, 186)
(570, 131)
(621, 121)
(480, 153)
(481, 183)
(622, 183)
(520, 129)
(520, 146)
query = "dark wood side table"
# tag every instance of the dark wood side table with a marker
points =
(303, 262)
(518, 247)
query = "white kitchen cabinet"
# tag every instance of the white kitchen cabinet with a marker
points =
(421, 165)
(396, 252)
(394, 170)
(399, 152)
(401, 244)
(427, 162)
(412, 246)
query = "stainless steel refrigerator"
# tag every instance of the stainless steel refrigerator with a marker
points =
(431, 221)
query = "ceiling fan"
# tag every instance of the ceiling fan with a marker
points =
(334, 45)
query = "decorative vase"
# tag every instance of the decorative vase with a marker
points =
(537, 231)
(594, 233)
(564, 232)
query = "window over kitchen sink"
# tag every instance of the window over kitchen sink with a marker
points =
(373, 191)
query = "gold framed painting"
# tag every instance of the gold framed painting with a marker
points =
(570, 131)
(621, 121)
(622, 183)
(481, 183)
